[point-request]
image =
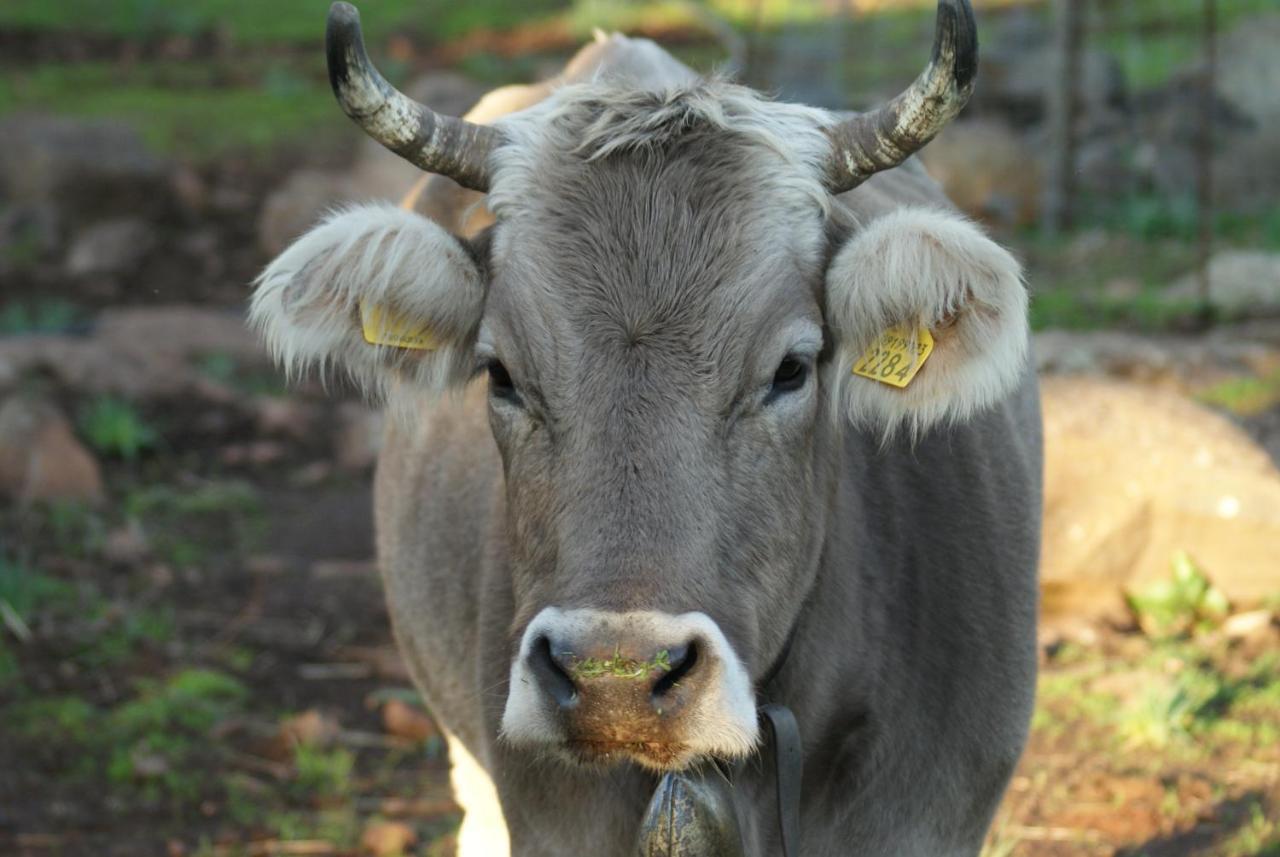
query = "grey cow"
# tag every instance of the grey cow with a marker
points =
(660, 495)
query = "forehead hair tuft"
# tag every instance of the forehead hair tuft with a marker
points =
(595, 120)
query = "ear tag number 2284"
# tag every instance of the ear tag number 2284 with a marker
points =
(896, 356)
(381, 326)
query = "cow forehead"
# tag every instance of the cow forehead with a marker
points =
(688, 233)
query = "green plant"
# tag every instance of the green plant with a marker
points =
(75, 527)
(59, 719)
(25, 591)
(156, 738)
(114, 427)
(1245, 396)
(322, 773)
(1186, 602)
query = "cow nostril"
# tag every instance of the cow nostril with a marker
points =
(682, 659)
(550, 675)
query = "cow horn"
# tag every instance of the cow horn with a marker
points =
(438, 144)
(887, 136)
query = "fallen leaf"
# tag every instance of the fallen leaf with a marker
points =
(387, 838)
(403, 720)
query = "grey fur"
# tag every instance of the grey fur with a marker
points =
(641, 301)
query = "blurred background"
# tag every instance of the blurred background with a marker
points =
(194, 657)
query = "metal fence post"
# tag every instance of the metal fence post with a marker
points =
(1068, 39)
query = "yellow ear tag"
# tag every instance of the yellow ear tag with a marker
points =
(896, 356)
(383, 327)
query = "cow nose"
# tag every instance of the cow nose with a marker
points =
(658, 688)
(636, 680)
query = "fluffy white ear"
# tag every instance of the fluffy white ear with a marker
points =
(919, 267)
(308, 302)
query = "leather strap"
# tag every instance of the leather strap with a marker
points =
(788, 764)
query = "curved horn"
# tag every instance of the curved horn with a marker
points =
(436, 143)
(887, 136)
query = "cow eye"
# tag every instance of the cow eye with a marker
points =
(790, 376)
(500, 383)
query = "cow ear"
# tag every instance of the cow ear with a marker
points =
(927, 269)
(378, 292)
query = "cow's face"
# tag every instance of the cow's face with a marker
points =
(666, 313)
(653, 339)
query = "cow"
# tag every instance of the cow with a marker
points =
(697, 401)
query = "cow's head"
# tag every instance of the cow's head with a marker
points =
(666, 314)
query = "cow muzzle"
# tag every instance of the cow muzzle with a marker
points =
(660, 690)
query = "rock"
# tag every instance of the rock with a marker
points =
(1246, 172)
(126, 545)
(87, 168)
(387, 838)
(137, 352)
(1016, 77)
(115, 246)
(1177, 361)
(312, 727)
(1243, 626)
(359, 436)
(284, 417)
(987, 171)
(40, 457)
(1249, 67)
(298, 204)
(1132, 476)
(1241, 282)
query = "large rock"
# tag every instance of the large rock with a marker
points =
(298, 204)
(88, 168)
(137, 352)
(1133, 475)
(40, 457)
(1241, 282)
(1249, 67)
(1181, 362)
(987, 170)
(1016, 78)
(115, 246)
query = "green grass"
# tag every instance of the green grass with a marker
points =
(149, 746)
(196, 110)
(27, 591)
(114, 427)
(249, 23)
(1153, 39)
(156, 739)
(1185, 602)
(183, 522)
(322, 773)
(1244, 396)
